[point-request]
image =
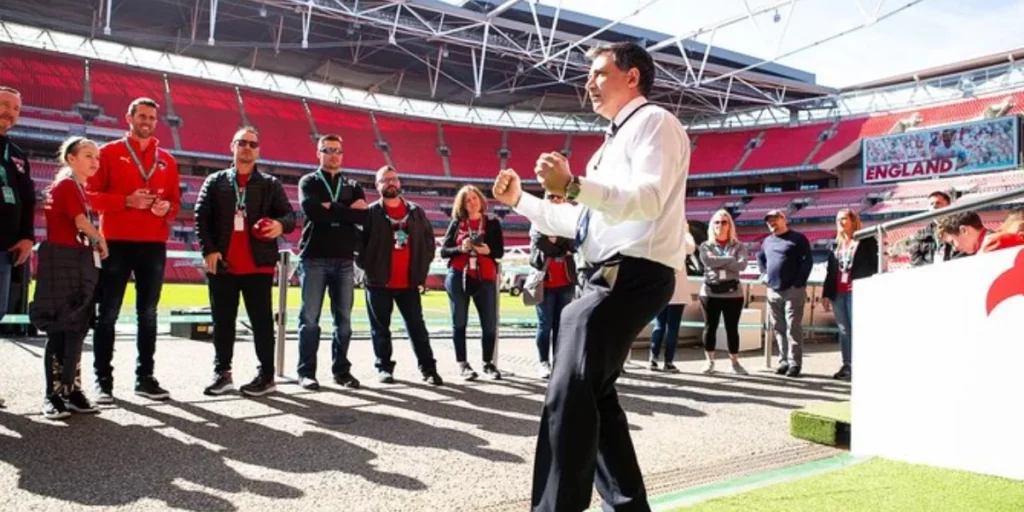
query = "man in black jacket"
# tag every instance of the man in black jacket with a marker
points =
(924, 248)
(240, 213)
(334, 207)
(398, 246)
(17, 201)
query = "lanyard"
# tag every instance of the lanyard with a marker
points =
(397, 223)
(613, 129)
(85, 200)
(720, 250)
(3, 165)
(336, 192)
(239, 194)
(138, 163)
(469, 228)
(845, 253)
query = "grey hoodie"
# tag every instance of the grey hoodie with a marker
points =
(722, 264)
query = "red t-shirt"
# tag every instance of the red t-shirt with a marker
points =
(399, 278)
(63, 203)
(556, 277)
(239, 258)
(487, 270)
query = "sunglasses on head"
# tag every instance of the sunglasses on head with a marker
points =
(331, 151)
(251, 143)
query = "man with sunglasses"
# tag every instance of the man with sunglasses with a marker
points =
(334, 207)
(240, 214)
(398, 247)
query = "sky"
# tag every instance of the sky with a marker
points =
(927, 34)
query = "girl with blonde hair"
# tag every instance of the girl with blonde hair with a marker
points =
(721, 296)
(851, 260)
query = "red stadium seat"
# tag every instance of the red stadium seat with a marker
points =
(45, 79)
(284, 127)
(413, 145)
(473, 150)
(209, 114)
(356, 131)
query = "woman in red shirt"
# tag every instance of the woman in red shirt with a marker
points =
(473, 244)
(851, 260)
(69, 262)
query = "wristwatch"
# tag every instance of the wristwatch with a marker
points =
(572, 190)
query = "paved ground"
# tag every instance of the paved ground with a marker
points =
(397, 447)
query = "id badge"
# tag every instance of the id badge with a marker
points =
(844, 277)
(96, 259)
(239, 221)
(8, 195)
(721, 275)
(472, 263)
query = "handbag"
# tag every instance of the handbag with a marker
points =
(533, 288)
(727, 286)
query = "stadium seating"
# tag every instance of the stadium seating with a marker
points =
(473, 150)
(413, 145)
(719, 152)
(784, 147)
(209, 114)
(283, 125)
(525, 147)
(582, 148)
(114, 87)
(355, 129)
(45, 80)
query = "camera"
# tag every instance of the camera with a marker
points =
(476, 239)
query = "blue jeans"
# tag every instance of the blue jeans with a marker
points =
(549, 314)
(336, 277)
(842, 307)
(379, 304)
(6, 265)
(486, 302)
(666, 332)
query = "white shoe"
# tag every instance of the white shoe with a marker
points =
(709, 368)
(544, 370)
(737, 368)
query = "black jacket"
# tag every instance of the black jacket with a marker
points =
(923, 247)
(18, 217)
(215, 213)
(542, 248)
(493, 237)
(378, 241)
(865, 264)
(330, 233)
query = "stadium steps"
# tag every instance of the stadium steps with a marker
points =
(831, 130)
(759, 138)
(309, 118)
(380, 139)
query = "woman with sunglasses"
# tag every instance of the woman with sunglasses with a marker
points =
(721, 295)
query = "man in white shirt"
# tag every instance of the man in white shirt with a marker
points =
(631, 223)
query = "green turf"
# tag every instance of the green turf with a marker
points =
(879, 485)
(822, 423)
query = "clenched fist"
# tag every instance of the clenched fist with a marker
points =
(507, 187)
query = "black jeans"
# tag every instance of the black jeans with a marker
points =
(255, 289)
(145, 261)
(380, 303)
(729, 307)
(583, 429)
(62, 361)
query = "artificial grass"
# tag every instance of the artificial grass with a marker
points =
(879, 485)
(825, 423)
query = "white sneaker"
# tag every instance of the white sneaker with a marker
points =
(738, 369)
(709, 368)
(544, 370)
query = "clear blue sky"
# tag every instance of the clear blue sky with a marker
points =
(932, 33)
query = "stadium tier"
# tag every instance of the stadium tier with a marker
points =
(473, 151)
(413, 144)
(209, 115)
(290, 126)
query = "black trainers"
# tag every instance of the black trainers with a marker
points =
(432, 378)
(3, 404)
(261, 385)
(782, 369)
(150, 388)
(105, 391)
(54, 407)
(385, 377)
(222, 383)
(671, 368)
(346, 380)
(309, 383)
(844, 373)
(466, 372)
(793, 371)
(76, 401)
(491, 371)
(654, 365)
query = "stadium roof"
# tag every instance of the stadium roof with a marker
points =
(515, 55)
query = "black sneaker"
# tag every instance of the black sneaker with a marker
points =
(150, 388)
(222, 383)
(671, 368)
(491, 371)
(466, 372)
(105, 391)
(346, 380)
(793, 371)
(309, 383)
(54, 407)
(261, 385)
(76, 401)
(782, 369)
(3, 404)
(654, 365)
(844, 373)
(432, 378)
(385, 377)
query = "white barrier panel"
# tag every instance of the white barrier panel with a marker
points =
(937, 356)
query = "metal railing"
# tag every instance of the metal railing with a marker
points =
(965, 205)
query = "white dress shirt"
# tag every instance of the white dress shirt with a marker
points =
(635, 187)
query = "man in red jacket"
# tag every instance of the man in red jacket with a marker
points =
(137, 194)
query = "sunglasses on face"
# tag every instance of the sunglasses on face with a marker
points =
(720, 222)
(331, 151)
(250, 143)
